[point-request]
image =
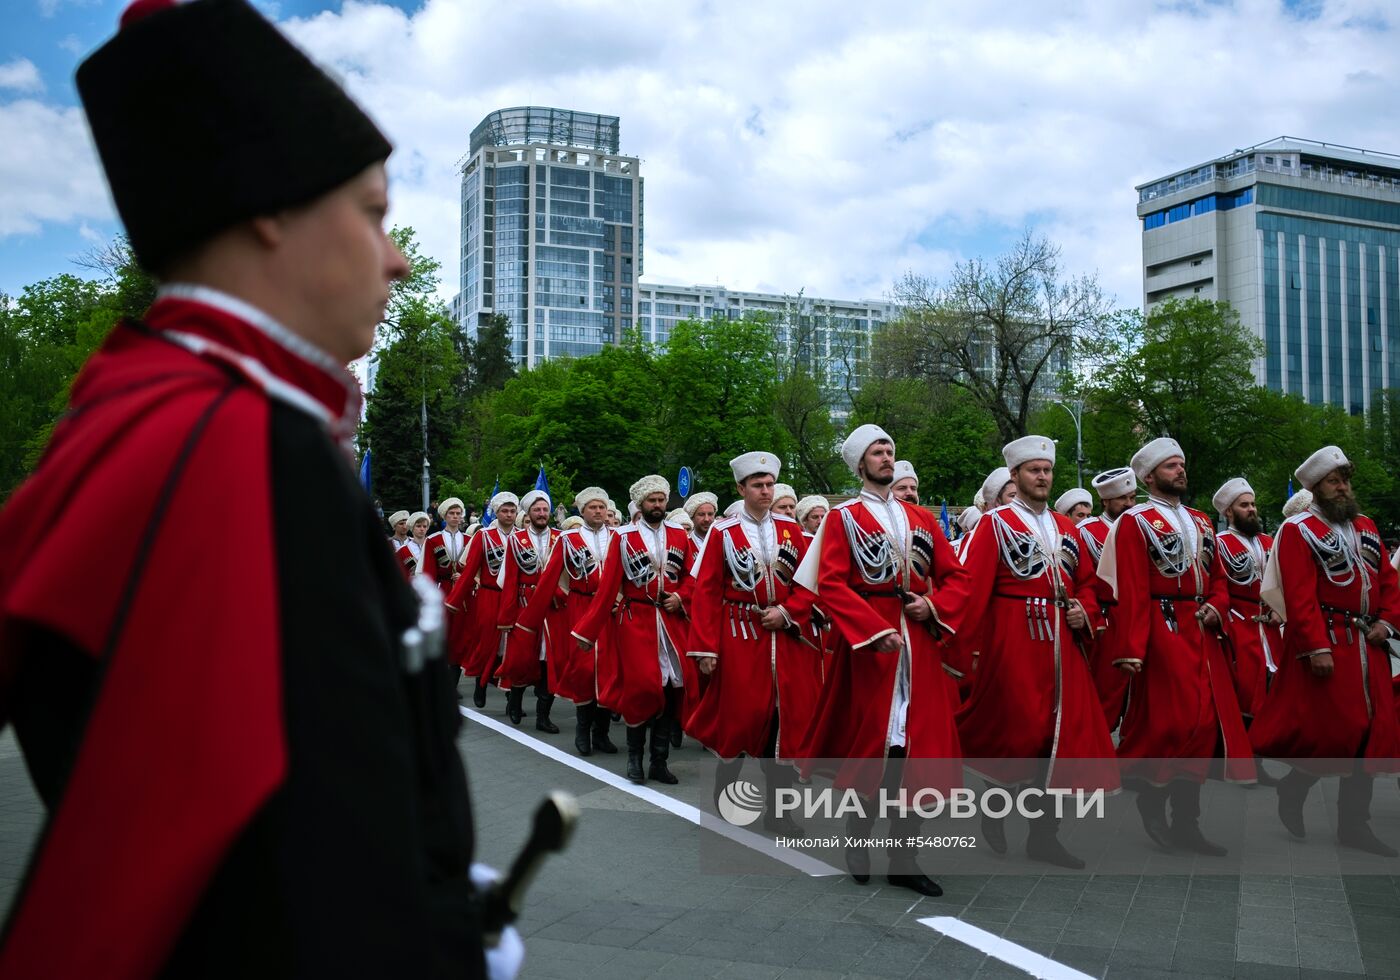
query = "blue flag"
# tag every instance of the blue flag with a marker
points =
(487, 514)
(542, 484)
(1290, 488)
(943, 519)
(365, 474)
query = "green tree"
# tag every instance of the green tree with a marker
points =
(951, 440)
(998, 330)
(417, 369)
(717, 381)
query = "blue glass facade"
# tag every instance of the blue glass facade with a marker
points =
(1331, 292)
(1201, 205)
(551, 232)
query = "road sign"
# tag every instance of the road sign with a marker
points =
(683, 482)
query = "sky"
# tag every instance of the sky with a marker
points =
(824, 147)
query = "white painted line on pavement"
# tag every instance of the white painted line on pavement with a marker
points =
(792, 858)
(1003, 949)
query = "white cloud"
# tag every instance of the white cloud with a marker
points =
(827, 146)
(48, 170)
(830, 146)
(20, 75)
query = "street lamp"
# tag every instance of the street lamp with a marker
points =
(1077, 416)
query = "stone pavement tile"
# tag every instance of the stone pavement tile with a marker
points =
(1307, 974)
(1123, 957)
(685, 967)
(1029, 936)
(1092, 960)
(1272, 900)
(577, 952)
(751, 971)
(666, 940)
(1142, 972)
(1323, 926)
(995, 969)
(893, 958)
(1264, 971)
(1194, 964)
(804, 973)
(1381, 966)
(1273, 955)
(628, 964)
(951, 961)
(1325, 954)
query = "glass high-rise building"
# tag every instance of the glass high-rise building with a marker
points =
(1303, 239)
(551, 231)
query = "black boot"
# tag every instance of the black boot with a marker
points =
(778, 777)
(726, 773)
(602, 721)
(994, 833)
(636, 748)
(1152, 807)
(583, 728)
(1354, 816)
(1292, 792)
(479, 694)
(515, 705)
(1186, 815)
(542, 722)
(660, 751)
(1043, 843)
(676, 734)
(858, 855)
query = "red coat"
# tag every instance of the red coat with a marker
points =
(1110, 682)
(757, 670)
(478, 594)
(633, 580)
(403, 558)
(1317, 580)
(1254, 644)
(522, 573)
(1033, 696)
(565, 591)
(444, 559)
(1182, 705)
(858, 574)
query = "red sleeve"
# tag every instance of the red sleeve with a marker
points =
(799, 602)
(531, 618)
(142, 826)
(951, 585)
(466, 583)
(406, 563)
(1217, 592)
(980, 559)
(1131, 616)
(686, 587)
(591, 625)
(859, 624)
(1299, 573)
(1084, 586)
(707, 599)
(509, 607)
(1389, 609)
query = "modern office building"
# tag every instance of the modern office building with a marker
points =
(551, 231)
(829, 337)
(1303, 239)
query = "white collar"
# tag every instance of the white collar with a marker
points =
(255, 317)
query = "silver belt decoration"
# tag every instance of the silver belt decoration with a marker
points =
(874, 552)
(424, 641)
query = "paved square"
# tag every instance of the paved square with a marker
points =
(633, 897)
